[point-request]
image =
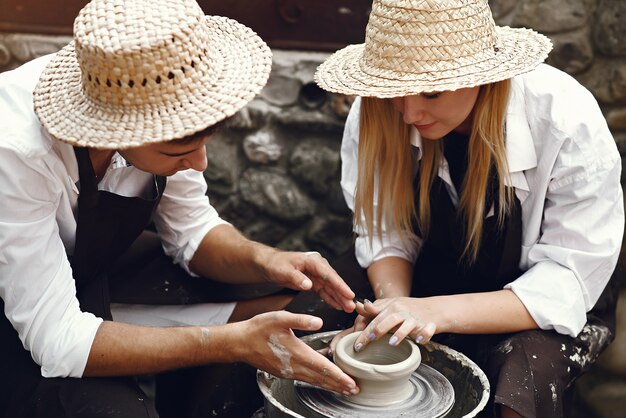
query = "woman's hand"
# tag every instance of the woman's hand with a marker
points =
(360, 323)
(268, 343)
(309, 271)
(403, 316)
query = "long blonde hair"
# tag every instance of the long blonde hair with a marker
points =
(386, 167)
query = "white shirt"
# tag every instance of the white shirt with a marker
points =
(38, 195)
(565, 168)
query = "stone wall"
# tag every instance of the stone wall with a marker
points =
(274, 173)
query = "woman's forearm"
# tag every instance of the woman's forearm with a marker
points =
(390, 277)
(481, 313)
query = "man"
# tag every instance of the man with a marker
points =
(117, 140)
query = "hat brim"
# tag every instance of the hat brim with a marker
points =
(519, 50)
(241, 69)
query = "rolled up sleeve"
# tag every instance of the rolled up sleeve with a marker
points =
(184, 216)
(576, 254)
(36, 280)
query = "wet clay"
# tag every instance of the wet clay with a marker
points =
(381, 371)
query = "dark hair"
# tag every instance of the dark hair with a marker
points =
(196, 136)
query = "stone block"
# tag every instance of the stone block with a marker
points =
(573, 51)
(261, 147)
(276, 194)
(314, 164)
(606, 79)
(550, 16)
(610, 27)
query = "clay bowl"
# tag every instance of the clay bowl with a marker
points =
(381, 371)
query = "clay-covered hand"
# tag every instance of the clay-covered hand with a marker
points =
(401, 316)
(267, 342)
(309, 271)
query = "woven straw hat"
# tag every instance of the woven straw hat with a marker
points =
(419, 46)
(144, 71)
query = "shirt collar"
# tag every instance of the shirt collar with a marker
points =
(520, 148)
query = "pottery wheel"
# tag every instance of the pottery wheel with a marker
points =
(432, 397)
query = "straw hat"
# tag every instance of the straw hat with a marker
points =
(419, 46)
(143, 71)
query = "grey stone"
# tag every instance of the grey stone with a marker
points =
(297, 117)
(281, 90)
(261, 147)
(331, 232)
(297, 64)
(254, 115)
(335, 201)
(306, 68)
(610, 28)
(500, 8)
(238, 212)
(25, 47)
(5, 55)
(314, 164)
(606, 79)
(223, 168)
(265, 231)
(295, 242)
(551, 16)
(573, 51)
(616, 118)
(275, 194)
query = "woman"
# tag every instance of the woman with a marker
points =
(486, 192)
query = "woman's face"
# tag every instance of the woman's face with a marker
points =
(437, 114)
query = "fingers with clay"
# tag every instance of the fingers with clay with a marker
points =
(287, 356)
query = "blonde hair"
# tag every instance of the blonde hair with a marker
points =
(387, 163)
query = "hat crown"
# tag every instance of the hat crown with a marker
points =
(139, 52)
(423, 36)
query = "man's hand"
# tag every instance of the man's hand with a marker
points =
(308, 271)
(268, 343)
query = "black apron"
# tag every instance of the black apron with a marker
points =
(441, 268)
(107, 224)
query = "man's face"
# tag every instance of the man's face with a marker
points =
(168, 158)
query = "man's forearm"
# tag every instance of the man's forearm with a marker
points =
(123, 349)
(226, 255)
